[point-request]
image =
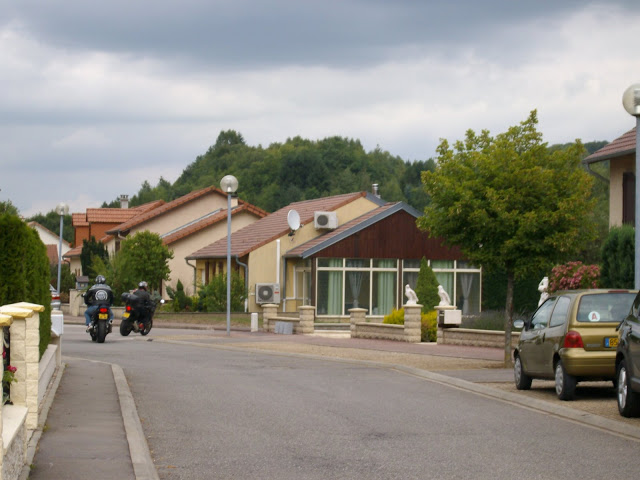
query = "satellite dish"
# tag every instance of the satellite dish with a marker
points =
(293, 219)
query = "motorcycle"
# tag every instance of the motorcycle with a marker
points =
(137, 318)
(100, 324)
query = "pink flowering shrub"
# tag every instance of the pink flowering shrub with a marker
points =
(574, 276)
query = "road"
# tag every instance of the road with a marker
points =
(211, 412)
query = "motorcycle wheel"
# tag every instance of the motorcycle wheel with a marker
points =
(147, 328)
(125, 328)
(92, 333)
(102, 331)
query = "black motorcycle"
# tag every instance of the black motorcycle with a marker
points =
(137, 317)
(100, 324)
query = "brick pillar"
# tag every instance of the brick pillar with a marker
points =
(412, 323)
(31, 331)
(307, 319)
(356, 315)
(269, 310)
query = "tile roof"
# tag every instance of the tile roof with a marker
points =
(221, 215)
(74, 252)
(155, 212)
(622, 145)
(357, 224)
(111, 215)
(79, 220)
(273, 226)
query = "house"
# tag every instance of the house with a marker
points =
(51, 241)
(351, 250)
(621, 155)
(184, 224)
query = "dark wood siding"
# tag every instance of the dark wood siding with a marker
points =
(628, 198)
(397, 236)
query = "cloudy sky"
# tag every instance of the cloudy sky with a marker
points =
(96, 97)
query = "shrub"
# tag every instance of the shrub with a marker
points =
(428, 323)
(618, 258)
(573, 276)
(180, 301)
(213, 296)
(427, 287)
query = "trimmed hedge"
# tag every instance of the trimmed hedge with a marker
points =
(24, 270)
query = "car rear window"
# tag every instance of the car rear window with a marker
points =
(605, 307)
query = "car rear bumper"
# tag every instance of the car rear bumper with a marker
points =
(582, 363)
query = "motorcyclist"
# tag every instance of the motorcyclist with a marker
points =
(145, 298)
(93, 299)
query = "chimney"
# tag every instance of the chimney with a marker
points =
(374, 190)
(124, 201)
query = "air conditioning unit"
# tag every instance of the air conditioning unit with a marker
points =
(328, 220)
(267, 293)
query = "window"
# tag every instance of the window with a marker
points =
(559, 315)
(540, 319)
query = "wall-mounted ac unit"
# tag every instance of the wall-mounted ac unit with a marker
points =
(267, 293)
(328, 220)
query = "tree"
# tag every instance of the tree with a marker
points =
(90, 249)
(9, 208)
(509, 203)
(145, 257)
(427, 287)
(618, 258)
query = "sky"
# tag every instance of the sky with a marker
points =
(97, 97)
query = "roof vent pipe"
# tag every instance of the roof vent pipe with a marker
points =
(374, 190)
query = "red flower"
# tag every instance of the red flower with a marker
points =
(11, 368)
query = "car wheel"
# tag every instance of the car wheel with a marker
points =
(565, 383)
(628, 400)
(523, 381)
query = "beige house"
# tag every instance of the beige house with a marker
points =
(621, 155)
(184, 224)
(351, 250)
(51, 241)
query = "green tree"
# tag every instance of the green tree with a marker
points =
(213, 296)
(90, 250)
(427, 287)
(509, 203)
(145, 257)
(618, 258)
(9, 208)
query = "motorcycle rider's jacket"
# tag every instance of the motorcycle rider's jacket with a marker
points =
(99, 293)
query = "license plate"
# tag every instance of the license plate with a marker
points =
(125, 315)
(103, 316)
(611, 342)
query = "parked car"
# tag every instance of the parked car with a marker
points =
(55, 298)
(628, 363)
(570, 338)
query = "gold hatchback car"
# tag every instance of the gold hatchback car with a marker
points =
(571, 337)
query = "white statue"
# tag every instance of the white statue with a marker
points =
(543, 286)
(445, 301)
(411, 296)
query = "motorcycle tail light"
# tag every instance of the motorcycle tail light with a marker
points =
(573, 340)
(128, 308)
(103, 310)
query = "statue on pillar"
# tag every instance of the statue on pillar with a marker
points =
(412, 298)
(445, 301)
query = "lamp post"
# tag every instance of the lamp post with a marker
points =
(62, 209)
(229, 184)
(631, 103)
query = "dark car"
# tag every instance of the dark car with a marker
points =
(571, 338)
(628, 363)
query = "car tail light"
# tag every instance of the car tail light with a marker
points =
(104, 310)
(573, 340)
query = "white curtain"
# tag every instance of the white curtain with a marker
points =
(334, 294)
(466, 280)
(386, 288)
(355, 282)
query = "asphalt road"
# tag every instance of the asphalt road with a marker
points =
(214, 413)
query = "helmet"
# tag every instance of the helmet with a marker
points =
(101, 280)
(142, 284)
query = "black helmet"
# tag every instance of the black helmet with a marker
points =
(101, 280)
(142, 284)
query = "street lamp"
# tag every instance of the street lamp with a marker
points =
(62, 209)
(631, 103)
(229, 184)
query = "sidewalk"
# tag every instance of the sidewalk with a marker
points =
(83, 441)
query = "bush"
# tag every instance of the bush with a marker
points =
(427, 287)
(428, 323)
(573, 276)
(180, 301)
(618, 258)
(213, 296)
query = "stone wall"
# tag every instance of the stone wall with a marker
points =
(409, 332)
(475, 338)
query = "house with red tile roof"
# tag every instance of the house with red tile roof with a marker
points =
(51, 241)
(184, 224)
(351, 250)
(620, 154)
